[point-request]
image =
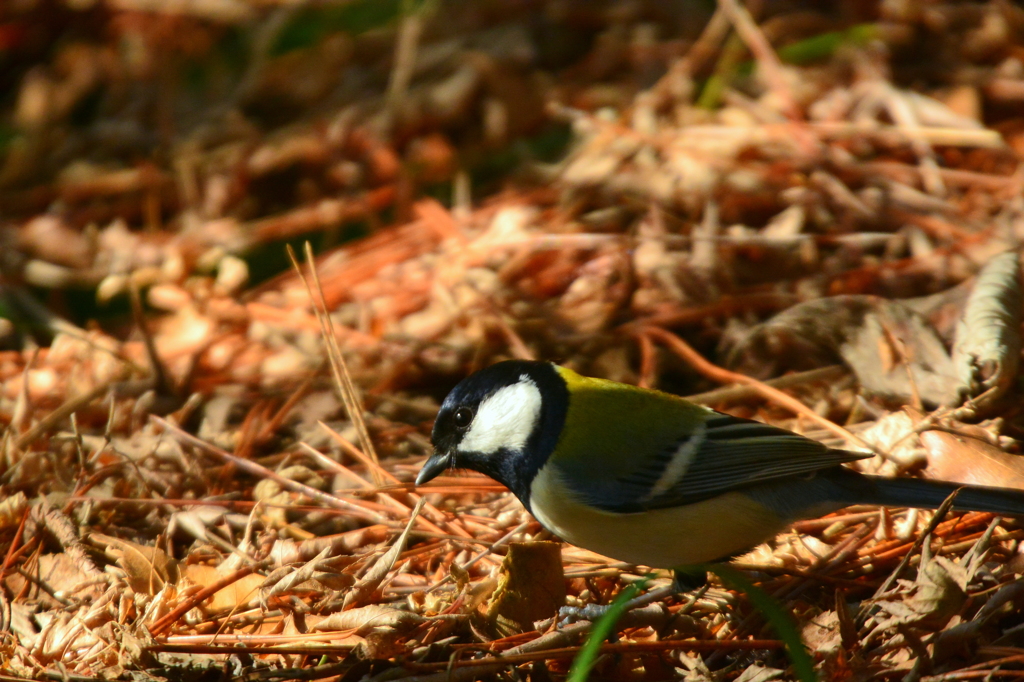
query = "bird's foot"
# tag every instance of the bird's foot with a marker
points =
(567, 615)
(594, 612)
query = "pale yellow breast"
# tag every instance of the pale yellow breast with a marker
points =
(660, 538)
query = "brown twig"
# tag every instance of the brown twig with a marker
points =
(715, 373)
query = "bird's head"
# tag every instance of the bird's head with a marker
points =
(503, 421)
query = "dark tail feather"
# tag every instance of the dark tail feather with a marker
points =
(915, 492)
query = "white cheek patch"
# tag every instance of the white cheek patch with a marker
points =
(506, 418)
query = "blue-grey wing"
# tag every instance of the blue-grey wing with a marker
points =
(725, 453)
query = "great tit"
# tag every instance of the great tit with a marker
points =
(650, 478)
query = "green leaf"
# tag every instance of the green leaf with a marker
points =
(782, 621)
(819, 47)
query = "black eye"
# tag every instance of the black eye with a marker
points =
(463, 417)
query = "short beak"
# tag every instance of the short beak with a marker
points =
(433, 467)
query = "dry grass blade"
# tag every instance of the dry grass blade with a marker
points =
(731, 393)
(500, 542)
(299, 575)
(263, 472)
(923, 537)
(339, 368)
(54, 418)
(390, 479)
(380, 569)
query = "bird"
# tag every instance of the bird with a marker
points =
(650, 478)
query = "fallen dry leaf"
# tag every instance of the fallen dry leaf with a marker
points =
(148, 569)
(239, 593)
(970, 461)
(531, 587)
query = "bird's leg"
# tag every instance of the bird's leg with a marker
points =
(689, 578)
(567, 615)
